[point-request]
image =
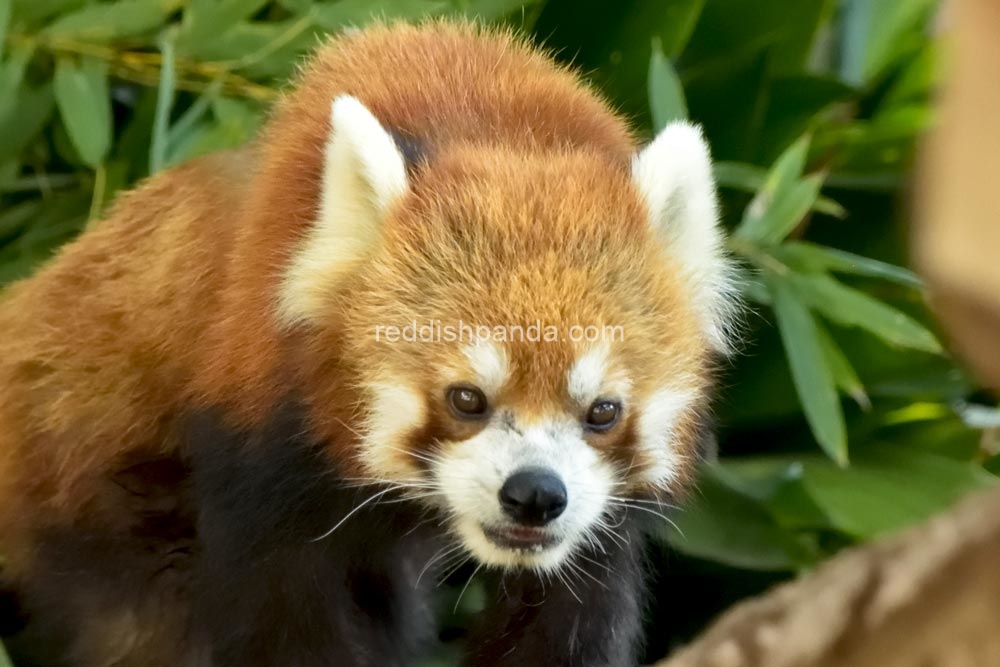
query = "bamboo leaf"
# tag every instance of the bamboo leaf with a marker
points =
(788, 209)
(666, 95)
(751, 178)
(358, 12)
(164, 103)
(30, 112)
(844, 375)
(888, 488)
(726, 525)
(811, 373)
(11, 77)
(5, 7)
(772, 212)
(84, 104)
(210, 19)
(106, 21)
(853, 308)
(489, 10)
(816, 258)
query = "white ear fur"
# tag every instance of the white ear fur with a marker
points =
(363, 175)
(674, 175)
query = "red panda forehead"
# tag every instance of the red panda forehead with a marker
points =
(501, 239)
(527, 201)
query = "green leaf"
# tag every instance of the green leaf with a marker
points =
(889, 22)
(4, 658)
(11, 77)
(888, 488)
(666, 96)
(491, 10)
(612, 40)
(853, 308)
(359, 12)
(783, 194)
(21, 125)
(33, 14)
(5, 7)
(810, 257)
(235, 123)
(751, 178)
(192, 116)
(729, 99)
(788, 29)
(740, 176)
(164, 103)
(106, 21)
(728, 526)
(15, 218)
(992, 464)
(797, 104)
(786, 211)
(85, 106)
(844, 374)
(296, 6)
(260, 49)
(212, 19)
(811, 373)
(919, 80)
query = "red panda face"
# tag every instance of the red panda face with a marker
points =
(532, 331)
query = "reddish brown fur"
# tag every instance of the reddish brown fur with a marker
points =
(169, 302)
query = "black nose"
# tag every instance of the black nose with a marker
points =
(533, 496)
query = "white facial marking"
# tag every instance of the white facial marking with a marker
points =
(591, 377)
(363, 174)
(471, 472)
(586, 376)
(657, 425)
(396, 409)
(489, 364)
(674, 175)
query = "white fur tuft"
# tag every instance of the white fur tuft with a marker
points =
(674, 175)
(592, 376)
(363, 175)
(657, 426)
(586, 375)
(396, 409)
(489, 365)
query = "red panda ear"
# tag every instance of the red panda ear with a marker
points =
(363, 175)
(674, 176)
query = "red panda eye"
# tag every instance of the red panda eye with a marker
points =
(467, 402)
(602, 415)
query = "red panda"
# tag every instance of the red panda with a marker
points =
(215, 452)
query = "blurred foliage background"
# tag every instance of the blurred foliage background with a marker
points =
(842, 419)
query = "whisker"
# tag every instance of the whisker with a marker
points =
(594, 562)
(351, 513)
(444, 552)
(583, 571)
(455, 569)
(567, 584)
(465, 588)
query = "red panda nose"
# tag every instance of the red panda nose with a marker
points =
(533, 496)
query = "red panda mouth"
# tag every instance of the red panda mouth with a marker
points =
(520, 537)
